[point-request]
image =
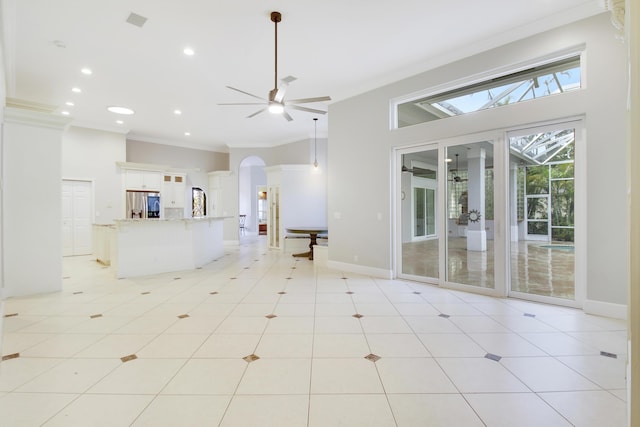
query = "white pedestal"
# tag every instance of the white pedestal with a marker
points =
(476, 240)
(514, 233)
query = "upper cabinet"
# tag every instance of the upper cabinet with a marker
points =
(173, 190)
(143, 180)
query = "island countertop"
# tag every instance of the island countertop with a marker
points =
(142, 247)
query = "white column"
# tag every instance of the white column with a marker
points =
(476, 233)
(32, 202)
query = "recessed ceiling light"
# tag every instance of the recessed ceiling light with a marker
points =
(188, 51)
(177, 112)
(121, 110)
(69, 103)
(187, 134)
(119, 122)
(64, 113)
(76, 90)
(86, 71)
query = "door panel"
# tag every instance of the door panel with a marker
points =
(542, 261)
(420, 257)
(76, 218)
(470, 249)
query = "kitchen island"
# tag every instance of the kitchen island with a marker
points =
(141, 247)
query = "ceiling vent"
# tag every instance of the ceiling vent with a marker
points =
(137, 20)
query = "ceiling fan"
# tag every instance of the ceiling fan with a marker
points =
(275, 101)
(455, 177)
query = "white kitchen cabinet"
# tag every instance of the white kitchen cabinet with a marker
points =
(173, 190)
(143, 180)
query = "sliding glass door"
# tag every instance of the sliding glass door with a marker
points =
(420, 237)
(470, 216)
(498, 214)
(542, 183)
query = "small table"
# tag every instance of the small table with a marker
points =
(313, 235)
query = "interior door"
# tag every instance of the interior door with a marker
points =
(76, 218)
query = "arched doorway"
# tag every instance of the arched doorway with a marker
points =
(252, 182)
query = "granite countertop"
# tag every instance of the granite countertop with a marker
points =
(157, 220)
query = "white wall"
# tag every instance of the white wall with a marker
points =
(32, 201)
(91, 155)
(359, 129)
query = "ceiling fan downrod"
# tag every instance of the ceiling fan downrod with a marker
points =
(275, 18)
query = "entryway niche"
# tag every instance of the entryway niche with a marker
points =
(252, 180)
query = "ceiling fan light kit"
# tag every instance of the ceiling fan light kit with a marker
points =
(275, 102)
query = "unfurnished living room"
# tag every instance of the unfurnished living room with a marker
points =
(319, 214)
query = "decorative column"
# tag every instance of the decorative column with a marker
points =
(32, 201)
(476, 233)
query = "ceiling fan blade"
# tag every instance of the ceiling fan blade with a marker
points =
(256, 113)
(287, 116)
(243, 103)
(246, 93)
(308, 110)
(284, 84)
(307, 100)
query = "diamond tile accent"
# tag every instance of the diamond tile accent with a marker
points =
(372, 357)
(67, 277)
(607, 354)
(529, 315)
(128, 358)
(494, 357)
(417, 293)
(358, 316)
(145, 293)
(11, 315)
(183, 316)
(246, 268)
(281, 293)
(345, 278)
(289, 278)
(11, 356)
(250, 358)
(95, 316)
(78, 293)
(233, 278)
(350, 293)
(270, 316)
(446, 316)
(213, 293)
(177, 278)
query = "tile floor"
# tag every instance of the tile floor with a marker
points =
(259, 338)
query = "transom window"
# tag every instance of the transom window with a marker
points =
(535, 82)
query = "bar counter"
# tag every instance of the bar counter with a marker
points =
(141, 247)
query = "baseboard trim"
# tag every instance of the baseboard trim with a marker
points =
(607, 309)
(360, 269)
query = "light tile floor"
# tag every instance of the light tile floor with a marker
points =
(259, 338)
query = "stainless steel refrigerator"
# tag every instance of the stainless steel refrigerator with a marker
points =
(143, 204)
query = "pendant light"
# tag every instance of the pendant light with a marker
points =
(315, 142)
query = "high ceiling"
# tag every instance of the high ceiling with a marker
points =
(334, 47)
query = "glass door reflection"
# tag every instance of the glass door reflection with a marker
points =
(420, 239)
(542, 211)
(469, 199)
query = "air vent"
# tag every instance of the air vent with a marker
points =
(137, 20)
